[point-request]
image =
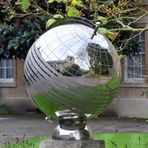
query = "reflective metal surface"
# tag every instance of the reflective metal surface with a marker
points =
(72, 126)
(75, 134)
(66, 68)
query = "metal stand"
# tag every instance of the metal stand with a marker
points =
(72, 126)
(72, 132)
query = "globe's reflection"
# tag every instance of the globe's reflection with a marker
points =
(67, 68)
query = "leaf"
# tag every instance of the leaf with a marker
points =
(112, 35)
(78, 3)
(50, 22)
(14, 43)
(51, 1)
(25, 4)
(109, 34)
(103, 30)
(72, 11)
(58, 16)
(58, 1)
(102, 19)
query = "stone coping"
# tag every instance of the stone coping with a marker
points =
(72, 144)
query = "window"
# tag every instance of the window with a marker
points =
(134, 66)
(6, 71)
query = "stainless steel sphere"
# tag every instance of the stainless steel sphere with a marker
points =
(71, 67)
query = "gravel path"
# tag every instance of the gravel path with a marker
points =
(13, 127)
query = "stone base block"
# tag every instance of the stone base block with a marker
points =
(73, 144)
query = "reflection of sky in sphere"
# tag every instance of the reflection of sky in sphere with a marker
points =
(70, 40)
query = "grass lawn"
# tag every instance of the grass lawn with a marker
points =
(27, 143)
(112, 140)
(123, 140)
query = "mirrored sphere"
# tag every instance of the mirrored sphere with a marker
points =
(71, 67)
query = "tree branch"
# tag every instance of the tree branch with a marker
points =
(129, 29)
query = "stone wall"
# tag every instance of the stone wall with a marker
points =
(132, 100)
(14, 95)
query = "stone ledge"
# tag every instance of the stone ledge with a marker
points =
(134, 85)
(131, 108)
(7, 85)
(73, 144)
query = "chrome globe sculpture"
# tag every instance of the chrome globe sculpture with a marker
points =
(72, 72)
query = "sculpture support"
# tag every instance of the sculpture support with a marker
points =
(72, 126)
(73, 144)
(72, 132)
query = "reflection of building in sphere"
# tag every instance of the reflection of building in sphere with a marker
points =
(60, 65)
(100, 59)
(68, 69)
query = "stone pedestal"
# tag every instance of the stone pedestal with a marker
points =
(73, 144)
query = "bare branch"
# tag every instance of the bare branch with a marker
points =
(36, 6)
(129, 29)
(138, 18)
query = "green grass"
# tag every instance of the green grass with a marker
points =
(123, 140)
(112, 140)
(28, 143)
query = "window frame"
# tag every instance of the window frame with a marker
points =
(134, 79)
(9, 82)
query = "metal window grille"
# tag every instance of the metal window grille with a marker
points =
(135, 65)
(6, 70)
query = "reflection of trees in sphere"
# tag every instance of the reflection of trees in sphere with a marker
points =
(67, 68)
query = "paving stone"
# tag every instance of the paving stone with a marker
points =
(73, 144)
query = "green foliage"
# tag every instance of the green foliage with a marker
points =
(112, 35)
(72, 11)
(131, 47)
(58, 16)
(16, 40)
(58, 1)
(78, 3)
(17, 34)
(50, 22)
(25, 4)
(22, 21)
(102, 19)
